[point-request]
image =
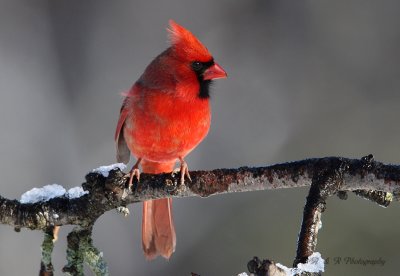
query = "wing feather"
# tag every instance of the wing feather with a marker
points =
(123, 153)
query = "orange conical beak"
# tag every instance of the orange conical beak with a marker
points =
(214, 72)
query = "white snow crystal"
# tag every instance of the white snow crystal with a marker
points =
(76, 192)
(105, 170)
(42, 194)
(51, 191)
(285, 268)
(319, 224)
(314, 263)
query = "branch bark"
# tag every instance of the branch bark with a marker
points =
(46, 267)
(327, 176)
(107, 193)
(325, 183)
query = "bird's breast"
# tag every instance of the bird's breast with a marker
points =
(162, 128)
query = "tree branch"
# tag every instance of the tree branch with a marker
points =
(325, 183)
(46, 267)
(327, 176)
(80, 249)
(107, 193)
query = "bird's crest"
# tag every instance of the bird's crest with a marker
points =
(186, 45)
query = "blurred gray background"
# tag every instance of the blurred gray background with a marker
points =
(306, 79)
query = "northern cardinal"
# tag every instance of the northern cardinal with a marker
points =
(164, 116)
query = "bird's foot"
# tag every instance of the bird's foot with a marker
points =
(135, 172)
(184, 172)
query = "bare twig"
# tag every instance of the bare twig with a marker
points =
(325, 183)
(332, 177)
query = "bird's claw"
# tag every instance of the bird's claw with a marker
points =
(184, 172)
(135, 172)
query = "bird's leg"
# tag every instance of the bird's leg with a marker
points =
(134, 172)
(184, 171)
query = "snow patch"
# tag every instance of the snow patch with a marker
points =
(105, 170)
(76, 192)
(243, 274)
(314, 264)
(51, 191)
(42, 194)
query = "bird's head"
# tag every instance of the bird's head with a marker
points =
(195, 57)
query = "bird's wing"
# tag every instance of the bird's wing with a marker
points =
(123, 153)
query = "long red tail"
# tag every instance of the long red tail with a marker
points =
(158, 231)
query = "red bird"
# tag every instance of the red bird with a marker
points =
(164, 116)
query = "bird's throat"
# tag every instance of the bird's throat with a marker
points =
(204, 90)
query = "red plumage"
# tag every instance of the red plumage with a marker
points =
(164, 117)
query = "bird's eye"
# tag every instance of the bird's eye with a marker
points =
(197, 66)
